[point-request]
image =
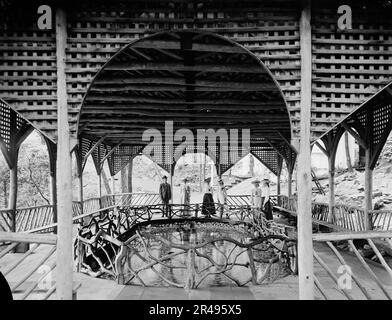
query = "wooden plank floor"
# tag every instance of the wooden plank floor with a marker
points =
(286, 288)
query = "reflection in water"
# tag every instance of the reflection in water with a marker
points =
(172, 255)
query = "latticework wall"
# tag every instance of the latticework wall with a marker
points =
(348, 66)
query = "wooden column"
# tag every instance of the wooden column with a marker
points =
(12, 160)
(171, 180)
(368, 188)
(81, 197)
(124, 180)
(52, 151)
(64, 258)
(289, 183)
(13, 194)
(305, 243)
(331, 186)
(100, 187)
(130, 169)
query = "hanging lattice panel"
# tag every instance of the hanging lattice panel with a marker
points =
(267, 156)
(12, 126)
(28, 65)
(122, 156)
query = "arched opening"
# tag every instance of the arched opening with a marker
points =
(179, 83)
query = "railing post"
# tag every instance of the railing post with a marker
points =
(305, 242)
(64, 259)
(368, 188)
(331, 181)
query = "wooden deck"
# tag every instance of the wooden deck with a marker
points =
(282, 289)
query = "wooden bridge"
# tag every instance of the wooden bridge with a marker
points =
(103, 73)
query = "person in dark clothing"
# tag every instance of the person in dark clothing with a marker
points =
(267, 206)
(5, 291)
(166, 194)
(208, 206)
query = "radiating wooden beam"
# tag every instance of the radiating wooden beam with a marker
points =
(94, 147)
(210, 68)
(355, 135)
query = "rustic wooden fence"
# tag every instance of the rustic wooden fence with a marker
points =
(344, 217)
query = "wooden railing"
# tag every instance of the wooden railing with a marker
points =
(381, 219)
(106, 240)
(34, 218)
(6, 220)
(375, 281)
(344, 217)
(238, 199)
(37, 281)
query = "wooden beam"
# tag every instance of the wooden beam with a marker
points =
(108, 100)
(176, 45)
(305, 243)
(28, 238)
(350, 235)
(321, 148)
(64, 256)
(179, 67)
(113, 149)
(355, 135)
(103, 81)
(94, 147)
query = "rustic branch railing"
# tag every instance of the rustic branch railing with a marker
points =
(106, 244)
(353, 286)
(36, 281)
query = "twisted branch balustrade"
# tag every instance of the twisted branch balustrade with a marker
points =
(110, 244)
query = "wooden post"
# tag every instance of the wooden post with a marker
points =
(368, 188)
(99, 185)
(331, 185)
(124, 180)
(130, 169)
(289, 183)
(64, 258)
(52, 151)
(13, 194)
(171, 181)
(305, 242)
(53, 196)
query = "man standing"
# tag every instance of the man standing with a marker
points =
(165, 193)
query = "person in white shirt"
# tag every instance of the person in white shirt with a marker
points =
(256, 199)
(222, 196)
(185, 196)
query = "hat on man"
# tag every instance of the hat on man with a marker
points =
(208, 180)
(164, 177)
(256, 181)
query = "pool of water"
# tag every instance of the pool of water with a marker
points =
(204, 254)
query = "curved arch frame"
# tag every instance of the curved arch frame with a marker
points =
(230, 41)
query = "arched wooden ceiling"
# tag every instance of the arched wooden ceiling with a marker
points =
(197, 80)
